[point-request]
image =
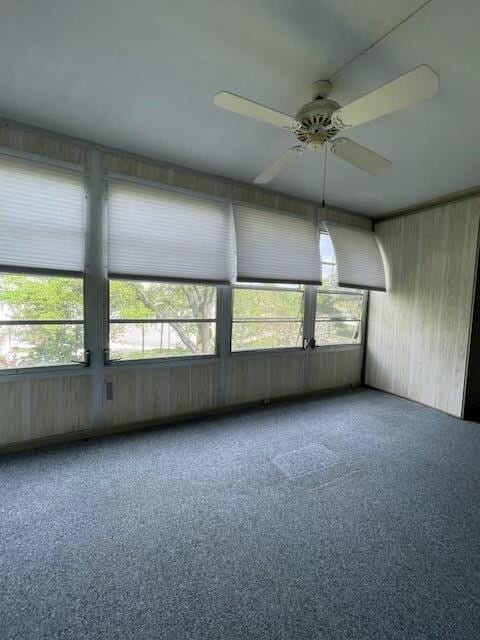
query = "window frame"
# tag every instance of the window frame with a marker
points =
(179, 359)
(73, 368)
(47, 368)
(264, 286)
(363, 293)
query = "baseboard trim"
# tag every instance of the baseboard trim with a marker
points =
(422, 404)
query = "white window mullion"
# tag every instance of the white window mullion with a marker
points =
(309, 313)
(224, 337)
(96, 281)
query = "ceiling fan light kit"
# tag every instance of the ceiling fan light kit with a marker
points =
(318, 122)
(315, 117)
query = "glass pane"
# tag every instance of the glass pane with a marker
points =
(336, 305)
(40, 345)
(329, 277)
(258, 303)
(327, 254)
(134, 341)
(252, 335)
(337, 332)
(28, 297)
(135, 300)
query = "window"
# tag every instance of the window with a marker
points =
(42, 222)
(267, 317)
(339, 311)
(41, 320)
(167, 251)
(158, 320)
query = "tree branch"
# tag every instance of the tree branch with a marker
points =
(178, 327)
(182, 334)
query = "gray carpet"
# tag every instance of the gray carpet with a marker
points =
(351, 516)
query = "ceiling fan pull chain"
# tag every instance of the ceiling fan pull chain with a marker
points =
(324, 191)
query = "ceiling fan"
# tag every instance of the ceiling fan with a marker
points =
(320, 121)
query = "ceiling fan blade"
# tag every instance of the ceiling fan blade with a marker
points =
(359, 156)
(279, 164)
(251, 109)
(415, 86)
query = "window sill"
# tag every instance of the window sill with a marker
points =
(260, 352)
(338, 347)
(173, 361)
(43, 372)
(75, 369)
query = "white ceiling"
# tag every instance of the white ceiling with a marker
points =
(141, 76)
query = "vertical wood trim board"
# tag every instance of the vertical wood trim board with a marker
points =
(418, 332)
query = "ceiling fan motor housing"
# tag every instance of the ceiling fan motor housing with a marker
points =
(316, 120)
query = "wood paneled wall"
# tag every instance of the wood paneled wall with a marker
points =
(418, 333)
(41, 143)
(342, 366)
(36, 407)
(145, 393)
(149, 393)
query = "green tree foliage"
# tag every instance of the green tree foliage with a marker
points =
(133, 300)
(262, 318)
(25, 297)
(334, 314)
(265, 319)
(42, 298)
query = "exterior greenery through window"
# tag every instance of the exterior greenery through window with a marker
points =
(41, 320)
(157, 320)
(267, 316)
(41, 317)
(338, 311)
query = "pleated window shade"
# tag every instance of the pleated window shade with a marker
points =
(358, 257)
(167, 235)
(42, 217)
(276, 247)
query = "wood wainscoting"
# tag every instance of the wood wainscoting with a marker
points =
(418, 334)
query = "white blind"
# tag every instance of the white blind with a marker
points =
(276, 247)
(160, 233)
(42, 217)
(358, 257)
